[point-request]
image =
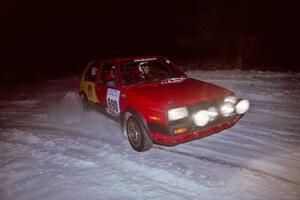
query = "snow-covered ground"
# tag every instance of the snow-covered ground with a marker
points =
(51, 149)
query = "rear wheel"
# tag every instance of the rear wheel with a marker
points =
(137, 134)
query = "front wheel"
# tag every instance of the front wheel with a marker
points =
(137, 135)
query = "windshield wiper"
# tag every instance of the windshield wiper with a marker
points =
(173, 80)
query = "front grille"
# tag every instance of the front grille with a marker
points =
(195, 107)
(204, 105)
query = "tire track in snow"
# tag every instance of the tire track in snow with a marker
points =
(71, 133)
(226, 163)
(56, 130)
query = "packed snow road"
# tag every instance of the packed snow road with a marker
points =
(51, 149)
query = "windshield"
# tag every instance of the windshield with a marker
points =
(147, 70)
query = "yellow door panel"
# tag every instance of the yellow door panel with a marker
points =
(89, 89)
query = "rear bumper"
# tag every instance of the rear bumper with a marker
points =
(174, 139)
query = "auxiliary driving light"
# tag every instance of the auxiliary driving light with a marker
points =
(230, 99)
(212, 112)
(227, 109)
(242, 106)
(201, 118)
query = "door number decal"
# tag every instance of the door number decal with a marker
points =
(112, 100)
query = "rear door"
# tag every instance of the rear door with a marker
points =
(108, 89)
(89, 79)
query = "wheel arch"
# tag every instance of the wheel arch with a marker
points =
(125, 116)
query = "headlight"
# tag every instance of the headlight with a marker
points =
(230, 99)
(227, 109)
(242, 106)
(177, 113)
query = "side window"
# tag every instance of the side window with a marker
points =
(91, 72)
(107, 76)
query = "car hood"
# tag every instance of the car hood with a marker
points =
(180, 93)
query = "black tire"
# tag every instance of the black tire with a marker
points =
(85, 102)
(137, 134)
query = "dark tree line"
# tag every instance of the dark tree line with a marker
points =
(208, 31)
(243, 33)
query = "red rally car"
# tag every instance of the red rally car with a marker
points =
(156, 102)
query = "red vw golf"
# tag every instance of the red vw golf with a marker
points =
(156, 102)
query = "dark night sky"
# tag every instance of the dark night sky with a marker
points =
(57, 36)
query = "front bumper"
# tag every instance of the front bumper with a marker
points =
(163, 135)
